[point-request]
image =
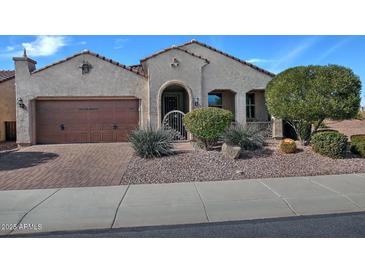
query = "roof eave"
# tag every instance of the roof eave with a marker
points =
(230, 56)
(172, 48)
(7, 79)
(95, 55)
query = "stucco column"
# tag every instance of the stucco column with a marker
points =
(240, 107)
(24, 124)
(277, 128)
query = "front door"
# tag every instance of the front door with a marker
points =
(172, 101)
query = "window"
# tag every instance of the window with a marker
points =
(215, 100)
(250, 106)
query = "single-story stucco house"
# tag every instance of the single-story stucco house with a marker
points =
(7, 105)
(90, 98)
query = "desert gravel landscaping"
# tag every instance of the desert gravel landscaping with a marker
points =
(211, 165)
(4, 146)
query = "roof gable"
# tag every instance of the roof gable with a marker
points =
(174, 48)
(229, 56)
(138, 72)
(6, 75)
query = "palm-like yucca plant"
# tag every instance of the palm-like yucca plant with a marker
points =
(150, 143)
(247, 137)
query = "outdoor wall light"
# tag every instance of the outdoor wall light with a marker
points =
(85, 67)
(20, 103)
(175, 63)
(196, 101)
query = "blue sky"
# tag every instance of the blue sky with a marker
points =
(274, 53)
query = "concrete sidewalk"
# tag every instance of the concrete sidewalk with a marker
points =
(46, 210)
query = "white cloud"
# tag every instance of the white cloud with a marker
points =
(45, 45)
(260, 60)
(6, 50)
(287, 59)
(334, 48)
(120, 43)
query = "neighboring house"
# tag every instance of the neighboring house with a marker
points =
(7, 105)
(89, 98)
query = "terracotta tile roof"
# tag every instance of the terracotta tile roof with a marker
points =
(230, 56)
(171, 48)
(96, 55)
(137, 68)
(6, 75)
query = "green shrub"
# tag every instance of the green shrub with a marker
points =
(288, 146)
(360, 115)
(207, 124)
(358, 138)
(248, 138)
(327, 130)
(331, 144)
(358, 144)
(149, 143)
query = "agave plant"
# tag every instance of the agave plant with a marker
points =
(247, 137)
(150, 143)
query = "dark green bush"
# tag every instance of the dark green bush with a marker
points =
(248, 138)
(358, 138)
(331, 144)
(360, 115)
(207, 124)
(358, 144)
(149, 143)
(288, 146)
(327, 130)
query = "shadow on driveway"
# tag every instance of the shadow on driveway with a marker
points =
(16, 160)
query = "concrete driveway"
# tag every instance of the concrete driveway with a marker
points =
(60, 166)
(178, 203)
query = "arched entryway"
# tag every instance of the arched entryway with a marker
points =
(174, 101)
(174, 97)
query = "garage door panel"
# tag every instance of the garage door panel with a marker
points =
(96, 126)
(86, 120)
(127, 117)
(126, 125)
(122, 135)
(70, 127)
(77, 137)
(51, 138)
(107, 136)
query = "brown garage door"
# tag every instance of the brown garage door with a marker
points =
(85, 121)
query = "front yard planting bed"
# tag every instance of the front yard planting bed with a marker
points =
(212, 165)
(5, 146)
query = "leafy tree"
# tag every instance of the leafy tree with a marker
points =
(307, 95)
(207, 124)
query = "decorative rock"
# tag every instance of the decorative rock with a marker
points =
(232, 152)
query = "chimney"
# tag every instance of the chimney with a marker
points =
(24, 64)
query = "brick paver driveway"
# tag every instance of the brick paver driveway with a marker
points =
(71, 165)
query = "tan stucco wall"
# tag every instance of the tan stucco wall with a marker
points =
(261, 113)
(162, 74)
(66, 79)
(228, 101)
(223, 72)
(7, 105)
